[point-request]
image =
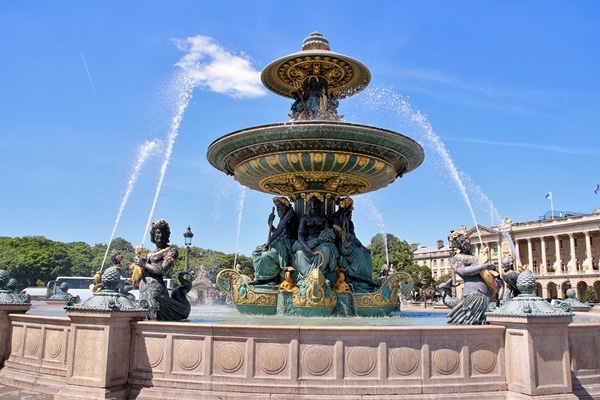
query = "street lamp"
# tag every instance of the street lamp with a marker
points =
(187, 235)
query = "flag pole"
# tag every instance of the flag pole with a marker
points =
(551, 205)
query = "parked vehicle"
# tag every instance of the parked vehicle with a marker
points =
(35, 293)
(78, 286)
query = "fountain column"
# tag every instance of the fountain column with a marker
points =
(530, 253)
(572, 264)
(557, 262)
(98, 356)
(544, 267)
(6, 329)
(10, 303)
(537, 364)
(588, 253)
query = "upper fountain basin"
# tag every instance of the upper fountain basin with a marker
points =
(300, 156)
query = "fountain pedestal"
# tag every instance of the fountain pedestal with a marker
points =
(98, 366)
(5, 327)
(537, 355)
(536, 344)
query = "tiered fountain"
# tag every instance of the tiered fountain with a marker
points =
(315, 156)
(112, 353)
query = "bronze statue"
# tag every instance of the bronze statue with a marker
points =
(354, 258)
(479, 282)
(154, 294)
(315, 245)
(271, 259)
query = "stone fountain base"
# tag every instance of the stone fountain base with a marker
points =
(122, 357)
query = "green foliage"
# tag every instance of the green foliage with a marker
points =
(442, 279)
(588, 296)
(421, 276)
(213, 261)
(399, 253)
(34, 258)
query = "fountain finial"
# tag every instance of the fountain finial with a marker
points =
(315, 41)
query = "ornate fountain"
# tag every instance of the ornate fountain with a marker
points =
(106, 348)
(315, 156)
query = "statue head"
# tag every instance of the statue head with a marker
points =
(314, 205)
(282, 201)
(507, 263)
(116, 257)
(346, 203)
(460, 240)
(160, 232)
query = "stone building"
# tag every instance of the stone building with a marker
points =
(436, 258)
(562, 250)
(203, 289)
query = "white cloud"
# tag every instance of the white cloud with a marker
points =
(213, 67)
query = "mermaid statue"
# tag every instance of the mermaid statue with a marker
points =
(154, 294)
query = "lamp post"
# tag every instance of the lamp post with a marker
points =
(187, 235)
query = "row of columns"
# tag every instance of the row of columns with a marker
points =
(571, 265)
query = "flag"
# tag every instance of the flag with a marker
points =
(549, 195)
(597, 188)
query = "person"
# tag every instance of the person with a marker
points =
(479, 282)
(354, 258)
(315, 246)
(156, 264)
(271, 258)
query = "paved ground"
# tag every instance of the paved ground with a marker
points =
(8, 393)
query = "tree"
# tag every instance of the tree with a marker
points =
(38, 259)
(81, 258)
(421, 276)
(389, 249)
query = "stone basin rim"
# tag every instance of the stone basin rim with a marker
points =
(220, 149)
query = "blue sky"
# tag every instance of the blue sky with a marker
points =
(509, 90)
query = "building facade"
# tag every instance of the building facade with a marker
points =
(562, 252)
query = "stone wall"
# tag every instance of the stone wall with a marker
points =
(190, 361)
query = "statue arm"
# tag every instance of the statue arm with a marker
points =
(469, 270)
(338, 229)
(283, 223)
(168, 262)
